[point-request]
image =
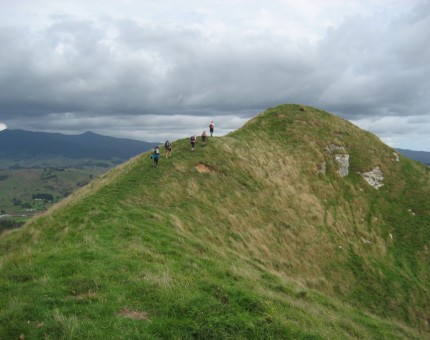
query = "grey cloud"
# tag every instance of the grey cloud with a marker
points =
(146, 70)
(70, 69)
(76, 72)
(397, 131)
(379, 72)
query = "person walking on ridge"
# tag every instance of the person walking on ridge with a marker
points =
(156, 156)
(204, 135)
(193, 142)
(168, 147)
(211, 127)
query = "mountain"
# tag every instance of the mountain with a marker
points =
(299, 225)
(19, 144)
(420, 156)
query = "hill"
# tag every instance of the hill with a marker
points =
(298, 225)
(20, 144)
(420, 156)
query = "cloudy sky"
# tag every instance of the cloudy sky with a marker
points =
(152, 70)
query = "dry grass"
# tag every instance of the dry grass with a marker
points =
(177, 223)
(133, 314)
(161, 278)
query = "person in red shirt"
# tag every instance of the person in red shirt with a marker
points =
(211, 128)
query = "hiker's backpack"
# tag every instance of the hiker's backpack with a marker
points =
(193, 139)
(211, 125)
(167, 144)
(157, 151)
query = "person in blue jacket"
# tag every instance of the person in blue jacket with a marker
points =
(156, 156)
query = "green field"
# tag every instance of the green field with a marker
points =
(245, 238)
(23, 183)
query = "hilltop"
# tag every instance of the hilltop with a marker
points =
(297, 225)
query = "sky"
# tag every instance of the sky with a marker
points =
(156, 70)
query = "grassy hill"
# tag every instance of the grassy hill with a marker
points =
(256, 235)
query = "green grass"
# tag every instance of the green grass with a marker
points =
(262, 246)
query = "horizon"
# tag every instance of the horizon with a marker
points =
(77, 133)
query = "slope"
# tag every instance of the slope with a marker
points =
(256, 235)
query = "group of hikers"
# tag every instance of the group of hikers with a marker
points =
(168, 145)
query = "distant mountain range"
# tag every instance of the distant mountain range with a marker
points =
(420, 156)
(20, 144)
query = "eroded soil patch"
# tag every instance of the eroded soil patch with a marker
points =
(204, 168)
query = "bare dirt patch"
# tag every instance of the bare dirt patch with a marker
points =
(204, 168)
(133, 314)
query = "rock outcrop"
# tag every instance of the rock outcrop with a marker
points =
(343, 161)
(374, 177)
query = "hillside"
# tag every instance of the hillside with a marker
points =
(21, 145)
(257, 235)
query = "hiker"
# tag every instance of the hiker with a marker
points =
(193, 142)
(204, 135)
(168, 147)
(156, 155)
(211, 127)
